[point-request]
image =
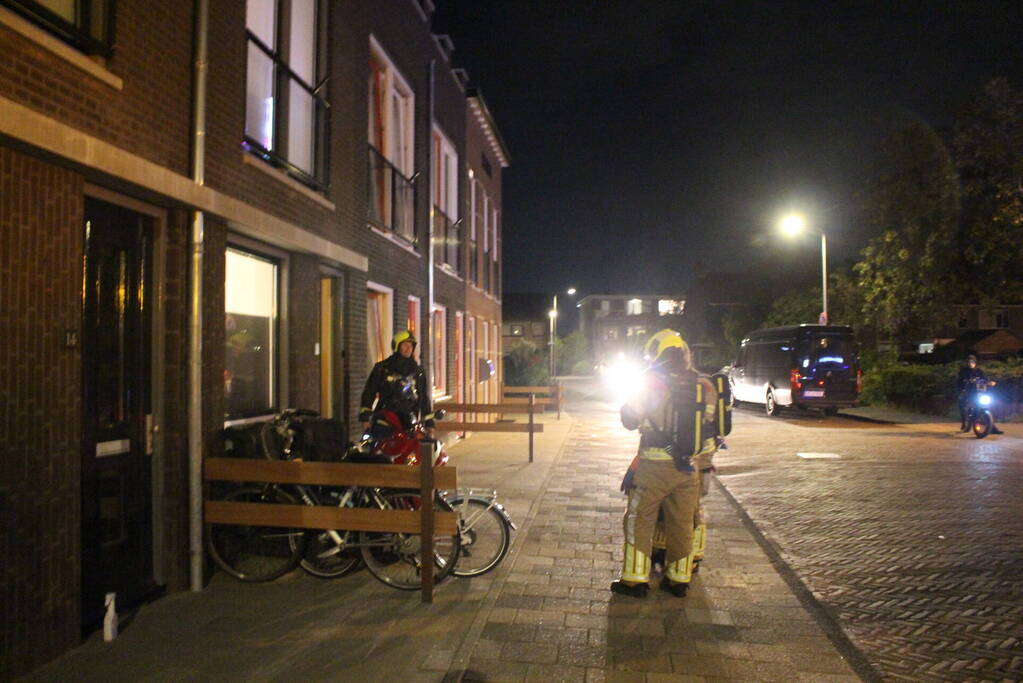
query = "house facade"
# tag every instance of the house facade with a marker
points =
(616, 324)
(210, 211)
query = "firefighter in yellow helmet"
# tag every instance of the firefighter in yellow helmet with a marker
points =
(662, 475)
(398, 383)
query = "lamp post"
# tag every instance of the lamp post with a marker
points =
(793, 224)
(553, 315)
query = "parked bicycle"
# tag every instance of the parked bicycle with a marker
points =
(262, 553)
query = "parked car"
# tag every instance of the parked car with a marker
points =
(806, 366)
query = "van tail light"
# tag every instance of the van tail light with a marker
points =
(794, 379)
(859, 380)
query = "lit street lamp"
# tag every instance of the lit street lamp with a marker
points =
(553, 315)
(792, 225)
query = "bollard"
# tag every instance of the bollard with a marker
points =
(532, 398)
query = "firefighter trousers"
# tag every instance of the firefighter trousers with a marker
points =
(659, 485)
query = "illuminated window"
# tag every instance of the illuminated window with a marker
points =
(439, 350)
(634, 307)
(251, 334)
(516, 330)
(379, 308)
(413, 321)
(86, 24)
(447, 231)
(391, 144)
(285, 110)
(635, 331)
(670, 307)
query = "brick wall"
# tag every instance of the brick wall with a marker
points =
(40, 297)
(303, 333)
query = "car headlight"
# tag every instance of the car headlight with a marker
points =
(984, 400)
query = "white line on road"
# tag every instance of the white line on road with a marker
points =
(819, 456)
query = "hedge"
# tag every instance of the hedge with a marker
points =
(932, 388)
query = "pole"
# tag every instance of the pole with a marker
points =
(532, 400)
(426, 517)
(553, 315)
(824, 275)
(195, 317)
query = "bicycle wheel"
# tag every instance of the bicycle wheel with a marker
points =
(326, 558)
(396, 559)
(255, 553)
(484, 536)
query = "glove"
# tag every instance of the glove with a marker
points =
(627, 483)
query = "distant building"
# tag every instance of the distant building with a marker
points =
(526, 320)
(616, 324)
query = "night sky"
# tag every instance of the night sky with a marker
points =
(652, 139)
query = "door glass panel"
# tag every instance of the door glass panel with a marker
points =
(251, 334)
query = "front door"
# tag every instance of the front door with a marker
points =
(117, 553)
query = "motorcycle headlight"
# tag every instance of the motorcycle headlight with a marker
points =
(984, 400)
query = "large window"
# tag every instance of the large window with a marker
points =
(391, 147)
(285, 109)
(447, 236)
(251, 334)
(86, 24)
(439, 350)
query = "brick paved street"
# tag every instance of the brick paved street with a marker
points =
(912, 537)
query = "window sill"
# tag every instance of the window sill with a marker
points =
(59, 49)
(397, 241)
(449, 271)
(283, 177)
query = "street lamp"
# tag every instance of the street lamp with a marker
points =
(553, 315)
(794, 224)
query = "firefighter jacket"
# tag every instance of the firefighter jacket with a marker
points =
(398, 384)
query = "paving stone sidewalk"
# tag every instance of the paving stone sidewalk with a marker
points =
(545, 614)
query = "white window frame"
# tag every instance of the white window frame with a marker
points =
(395, 87)
(444, 180)
(414, 302)
(439, 349)
(634, 307)
(387, 322)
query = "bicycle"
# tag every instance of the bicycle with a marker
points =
(266, 553)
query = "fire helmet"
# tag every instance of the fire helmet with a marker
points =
(404, 335)
(661, 342)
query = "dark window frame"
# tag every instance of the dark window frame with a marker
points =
(78, 33)
(283, 76)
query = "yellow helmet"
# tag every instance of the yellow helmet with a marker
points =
(399, 337)
(662, 341)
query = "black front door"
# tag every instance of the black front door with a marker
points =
(117, 552)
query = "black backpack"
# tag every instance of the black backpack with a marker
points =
(688, 429)
(723, 412)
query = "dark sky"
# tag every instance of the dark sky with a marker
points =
(649, 139)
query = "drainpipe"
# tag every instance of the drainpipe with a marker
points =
(428, 328)
(195, 321)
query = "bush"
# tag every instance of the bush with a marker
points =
(525, 365)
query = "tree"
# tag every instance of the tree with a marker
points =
(905, 272)
(525, 365)
(988, 145)
(572, 353)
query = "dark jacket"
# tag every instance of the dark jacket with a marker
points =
(399, 384)
(966, 377)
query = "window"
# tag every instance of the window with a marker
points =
(412, 324)
(446, 228)
(251, 334)
(476, 224)
(993, 318)
(605, 306)
(439, 350)
(86, 24)
(670, 307)
(379, 307)
(391, 145)
(539, 329)
(635, 331)
(516, 330)
(634, 307)
(285, 110)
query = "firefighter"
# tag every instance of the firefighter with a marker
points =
(398, 383)
(664, 474)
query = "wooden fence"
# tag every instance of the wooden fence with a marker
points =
(529, 407)
(543, 395)
(426, 521)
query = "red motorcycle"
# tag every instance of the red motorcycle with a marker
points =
(387, 440)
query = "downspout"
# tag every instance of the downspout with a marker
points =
(430, 95)
(195, 322)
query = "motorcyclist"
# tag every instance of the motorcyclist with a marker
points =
(398, 383)
(660, 474)
(966, 386)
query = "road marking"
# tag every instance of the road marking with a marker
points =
(819, 456)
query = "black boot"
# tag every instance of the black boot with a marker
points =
(676, 589)
(635, 590)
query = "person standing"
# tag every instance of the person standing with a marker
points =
(664, 474)
(398, 383)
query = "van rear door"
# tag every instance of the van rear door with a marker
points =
(830, 362)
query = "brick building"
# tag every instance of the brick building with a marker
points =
(189, 241)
